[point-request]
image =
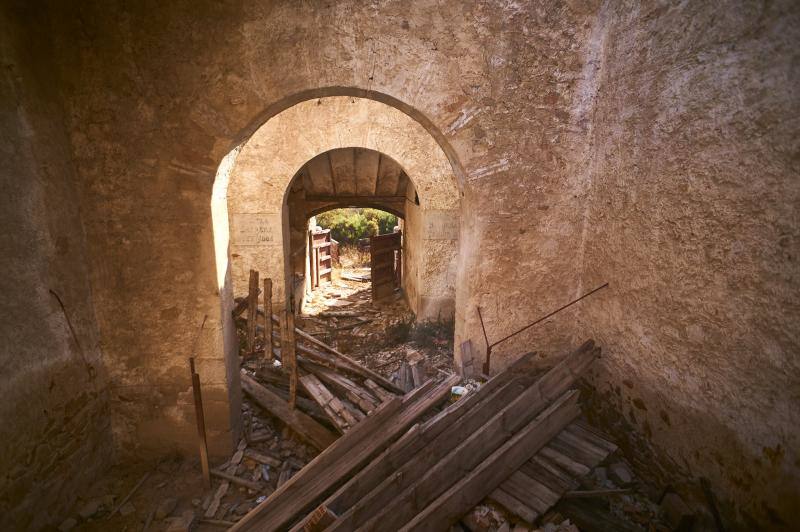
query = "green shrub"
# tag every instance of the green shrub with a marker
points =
(349, 225)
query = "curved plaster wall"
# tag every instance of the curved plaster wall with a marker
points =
(258, 183)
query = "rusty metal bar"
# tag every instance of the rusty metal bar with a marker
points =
(486, 364)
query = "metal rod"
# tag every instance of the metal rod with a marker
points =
(485, 338)
(587, 294)
(487, 364)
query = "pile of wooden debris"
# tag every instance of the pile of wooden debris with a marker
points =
(426, 460)
(421, 462)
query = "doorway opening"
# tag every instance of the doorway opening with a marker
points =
(356, 244)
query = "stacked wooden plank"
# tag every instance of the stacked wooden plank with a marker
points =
(552, 472)
(383, 475)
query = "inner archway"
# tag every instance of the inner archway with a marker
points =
(358, 177)
(253, 188)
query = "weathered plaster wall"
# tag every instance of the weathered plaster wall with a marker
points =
(55, 435)
(544, 110)
(692, 215)
(412, 234)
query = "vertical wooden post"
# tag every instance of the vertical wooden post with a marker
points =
(288, 357)
(312, 275)
(268, 318)
(252, 312)
(201, 424)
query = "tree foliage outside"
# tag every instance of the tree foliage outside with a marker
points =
(351, 224)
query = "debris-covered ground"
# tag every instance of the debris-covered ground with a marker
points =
(169, 495)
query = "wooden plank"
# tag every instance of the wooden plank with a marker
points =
(425, 437)
(249, 484)
(306, 405)
(288, 353)
(355, 412)
(342, 384)
(333, 466)
(331, 405)
(594, 454)
(268, 323)
(401, 452)
(417, 373)
(540, 497)
(262, 458)
(406, 379)
(554, 469)
(382, 394)
(349, 363)
(303, 425)
(467, 368)
(574, 468)
(319, 520)
(482, 480)
(578, 454)
(514, 505)
(475, 437)
(582, 430)
(252, 310)
(556, 483)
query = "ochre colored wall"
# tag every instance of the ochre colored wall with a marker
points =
(692, 188)
(652, 146)
(55, 433)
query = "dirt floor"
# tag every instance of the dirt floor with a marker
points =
(380, 335)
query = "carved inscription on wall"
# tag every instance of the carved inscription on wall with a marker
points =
(256, 229)
(441, 225)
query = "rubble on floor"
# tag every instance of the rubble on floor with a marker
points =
(382, 439)
(514, 443)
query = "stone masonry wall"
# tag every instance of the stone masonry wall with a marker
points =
(594, 142)
(691, 214)
(55, 436)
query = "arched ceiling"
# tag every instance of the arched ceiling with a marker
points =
(353, 172)
(351, 177)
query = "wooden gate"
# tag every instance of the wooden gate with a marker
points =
(386, 264)
(321, 257)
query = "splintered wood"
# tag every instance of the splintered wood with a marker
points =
(315, 390)
(421, 462)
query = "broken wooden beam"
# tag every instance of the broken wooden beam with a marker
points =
(249, 484)
(330, 404)
(361, 370)
(343, 385)
(262, 458)
(380, 392)
(352, 451)
(303, 425)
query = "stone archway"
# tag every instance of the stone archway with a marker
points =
(250, 193)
